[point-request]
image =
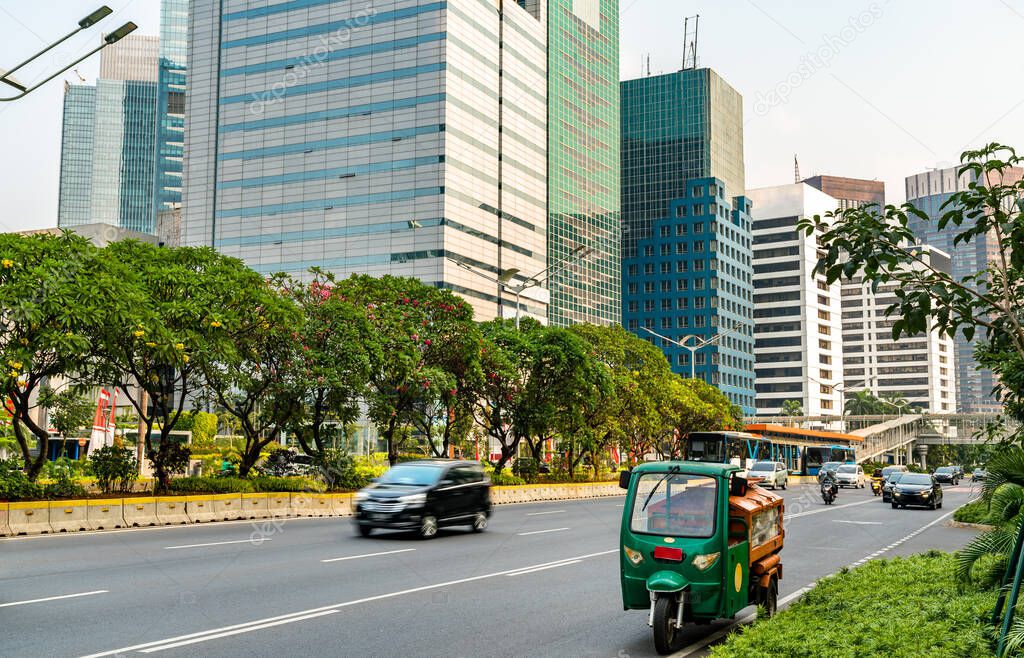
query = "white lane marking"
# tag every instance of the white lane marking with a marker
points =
(827, 508)
(356, 557)
(557, 511)
(540, 532)
(746, 619)
(164, 647)
(221, 543)
(54, 598)
(857, 522)
(550, 566)
(202, 636)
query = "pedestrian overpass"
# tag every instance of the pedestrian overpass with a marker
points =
(900, 436)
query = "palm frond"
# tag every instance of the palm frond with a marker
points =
(1005, 467)
(1006, 502)
(993, 542)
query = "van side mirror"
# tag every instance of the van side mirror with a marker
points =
(738, 486)
(624, 477)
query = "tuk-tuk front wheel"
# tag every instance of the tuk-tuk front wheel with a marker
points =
(667, 637)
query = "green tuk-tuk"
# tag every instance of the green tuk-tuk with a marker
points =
(698, 543)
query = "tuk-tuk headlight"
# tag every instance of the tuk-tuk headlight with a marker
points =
(635, 557)
(706, 561)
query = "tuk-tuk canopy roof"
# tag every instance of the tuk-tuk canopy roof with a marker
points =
(695, 468)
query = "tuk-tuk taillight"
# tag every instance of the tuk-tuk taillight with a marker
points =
(668, 553)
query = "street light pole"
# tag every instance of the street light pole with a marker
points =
(86, 22)
(700, 343)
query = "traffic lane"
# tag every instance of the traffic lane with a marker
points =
(225, 585)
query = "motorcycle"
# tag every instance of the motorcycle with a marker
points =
(829, 490)
(876, 487)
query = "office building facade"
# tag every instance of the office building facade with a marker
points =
(583, 160)
(850, 192)
(690, 281)
(170, 119)
(380, 138)
(920, 369)
(798, 332)
(928, 191)
(675, 128)
(120, 142)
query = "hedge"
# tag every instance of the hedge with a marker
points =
(972, 512)
(901, 607)
(217, 485)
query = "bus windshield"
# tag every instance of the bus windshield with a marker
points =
(706, 448)
(674, 505)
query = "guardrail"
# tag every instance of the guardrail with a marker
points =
(57, 516)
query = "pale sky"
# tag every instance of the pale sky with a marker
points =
(865, 89)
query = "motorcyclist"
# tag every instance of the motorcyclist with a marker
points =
(828, 482)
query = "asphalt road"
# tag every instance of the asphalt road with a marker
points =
(542, 581)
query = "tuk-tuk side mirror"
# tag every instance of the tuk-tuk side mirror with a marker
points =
(624, 479)
(738, 486)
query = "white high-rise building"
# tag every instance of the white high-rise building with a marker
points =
(383, 137)
(921, 369)
(798, 351)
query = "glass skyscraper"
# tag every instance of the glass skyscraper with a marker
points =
(583, 160)
(676, 127)
(687, 245)
(386, 137)
(109, 139)
(170, 138)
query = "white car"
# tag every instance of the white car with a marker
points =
(850, 475)
(774, 474)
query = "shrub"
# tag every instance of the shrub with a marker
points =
(973, 512)
(855, 613)
(505, 479)
(271, 483)
(526, 468)
(211, 485)
(14, 484)
(65, 483)
(115, 468)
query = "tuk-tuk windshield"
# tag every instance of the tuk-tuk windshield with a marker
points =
(674, 505)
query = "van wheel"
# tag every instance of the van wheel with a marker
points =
(364, 530)
(667, 638)
(479, 522)
(784, 484)
(428, 527)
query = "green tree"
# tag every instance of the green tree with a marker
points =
(880, 246)
(69, 410)
(862, 403)
(57, 292)
(204, 428)
(696, 406)
(414, 328)
(196, 305)
(792, 408)
(330, 371)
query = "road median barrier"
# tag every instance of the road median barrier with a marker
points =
(68, 515)
(279, 505)
(341, 504)
(140, 512)
(105, 514)
(171, 510)
(29, 518)
(302, 504)
(255, 505)
(200, 509)
(5, 529)
(228, 506)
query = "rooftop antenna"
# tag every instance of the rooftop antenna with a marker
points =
(796, 170)
(648, 65)
(690, 42)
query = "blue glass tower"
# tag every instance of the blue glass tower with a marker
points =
(76, 156)
(170, 138)
(690, 280)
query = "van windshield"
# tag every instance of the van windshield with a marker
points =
(674, 505)
(410, 475)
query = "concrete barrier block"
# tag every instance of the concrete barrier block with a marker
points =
(5, 529)
(68, 515)
(140, 512)
(341, 504)
(228, 506)
(105, 514)
(254, 506)
(200, 509)
(321, 505)
(170, 510)
(29, 518)
(279, 505)
(302, 503)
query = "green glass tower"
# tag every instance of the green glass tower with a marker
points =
(583, 161)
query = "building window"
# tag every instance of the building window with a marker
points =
(680, 212)
(700, 359)
(683, 359)
(666, 286)
(824, 329)
(648, 268)
(632, 288)
(648, 251)
(823, 300)
(698, 302)
(698, 266)
(666, 249)
(698, 322)
(682, 303)
(824, 344)
(633, 324)
(698, 284)
(648, 305)
(824, 315)
(682, 266)
(666, 267)
(698, 210)
(666, 304)
(826, 404)
(681, 228)
(682, 322)
(648, 286)
(632, 270)
(822, 285)
(666, 323)
(698, 191)
(682, 284)
(681, 248)
(698, 227)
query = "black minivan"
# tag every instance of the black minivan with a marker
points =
(425, 495)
